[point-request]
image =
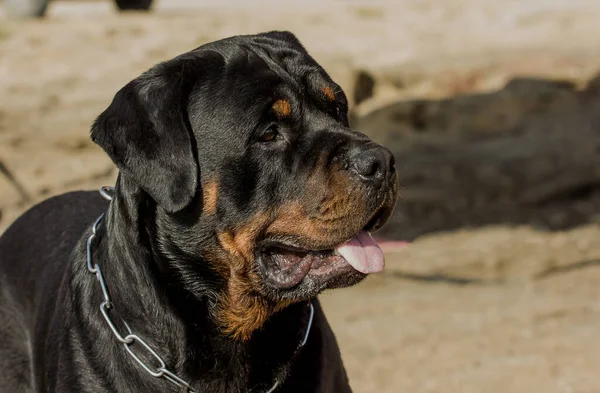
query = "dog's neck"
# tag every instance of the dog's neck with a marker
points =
(180, 327)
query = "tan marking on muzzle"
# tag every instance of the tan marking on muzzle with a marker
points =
(330, 208)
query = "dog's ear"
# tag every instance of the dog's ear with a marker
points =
(145, 133)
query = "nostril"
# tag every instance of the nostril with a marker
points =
(368, 167)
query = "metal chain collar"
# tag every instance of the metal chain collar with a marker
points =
(130, 339)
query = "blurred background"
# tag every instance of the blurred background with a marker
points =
(492, 110)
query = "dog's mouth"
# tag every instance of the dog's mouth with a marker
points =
(285, 266)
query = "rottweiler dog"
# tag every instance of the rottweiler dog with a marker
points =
(242, 194)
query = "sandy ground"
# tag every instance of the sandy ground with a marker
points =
(496, 309)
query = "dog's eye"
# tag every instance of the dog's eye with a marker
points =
(270, 135)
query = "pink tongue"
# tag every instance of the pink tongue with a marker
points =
(363, 253)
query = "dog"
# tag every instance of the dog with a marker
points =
(242, 194)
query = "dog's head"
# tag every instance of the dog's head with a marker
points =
(244, 150)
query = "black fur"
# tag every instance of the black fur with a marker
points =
(173, 130)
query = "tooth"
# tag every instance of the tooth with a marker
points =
(335, 252)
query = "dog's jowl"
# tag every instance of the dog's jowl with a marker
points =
(242, 194)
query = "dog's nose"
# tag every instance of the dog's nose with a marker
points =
(372, 164)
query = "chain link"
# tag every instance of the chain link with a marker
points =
(104, 309)
(132, 339)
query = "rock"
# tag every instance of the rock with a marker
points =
(482, 113)
(495, 254)
(526, 154)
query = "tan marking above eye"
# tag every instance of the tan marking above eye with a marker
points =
(328, 92)
(282, 108)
